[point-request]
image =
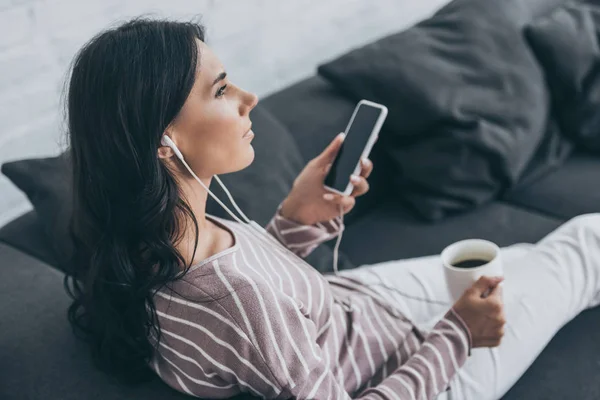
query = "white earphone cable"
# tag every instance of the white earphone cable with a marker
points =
(168, 142)
(231, 199)
(336, 249)
(262, 235)
(266, 236)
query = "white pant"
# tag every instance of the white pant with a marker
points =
(546, 285)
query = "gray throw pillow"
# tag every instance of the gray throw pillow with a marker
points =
(566, 44)
(468, 107)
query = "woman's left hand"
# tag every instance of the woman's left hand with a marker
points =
(309, 202)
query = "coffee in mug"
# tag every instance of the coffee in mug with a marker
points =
(468, 260)
(470, 263)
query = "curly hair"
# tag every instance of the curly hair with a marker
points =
(126, 86)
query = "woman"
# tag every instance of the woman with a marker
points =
(215, 310)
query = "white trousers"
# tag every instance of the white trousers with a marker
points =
(546, 285)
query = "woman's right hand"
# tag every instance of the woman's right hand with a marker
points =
(484, 316)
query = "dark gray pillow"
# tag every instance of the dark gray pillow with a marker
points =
(47, 184)
(566, 44)
(467, 102)
(258, 189)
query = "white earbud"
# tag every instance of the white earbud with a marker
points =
(166, 141)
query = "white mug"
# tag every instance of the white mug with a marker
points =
(460, 279)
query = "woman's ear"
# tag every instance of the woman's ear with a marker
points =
(165, 152)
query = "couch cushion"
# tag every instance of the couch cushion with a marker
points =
(567, 46)
(44, 358)
(390, 232)
(47, 184)
(569, 366)
(26, 234)
(571, 190)
(468, 105)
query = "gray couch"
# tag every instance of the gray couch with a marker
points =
(42, 359)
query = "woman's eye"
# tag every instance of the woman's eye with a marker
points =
(221, 91)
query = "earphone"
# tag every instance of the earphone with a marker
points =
(167, 141)
(258, 231)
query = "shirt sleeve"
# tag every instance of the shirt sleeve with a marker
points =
(285, 349)
(303, 239)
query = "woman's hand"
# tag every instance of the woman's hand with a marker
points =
(309, 202)
(484, 316)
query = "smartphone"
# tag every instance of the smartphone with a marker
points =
(361, 133)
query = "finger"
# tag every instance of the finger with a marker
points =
(497, 291)
(484, 283)
(366, 167)
(347, 202)
(501, 319)
(361, 186)
(328, 155)
(494, 306)
(330, 197)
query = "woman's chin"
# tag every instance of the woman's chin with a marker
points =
(246, 159)
(250, 157)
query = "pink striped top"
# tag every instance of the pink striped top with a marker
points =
(254, 318)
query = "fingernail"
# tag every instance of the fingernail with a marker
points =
(365, 162)
(354, 179)
(328, 196)
(342, 136)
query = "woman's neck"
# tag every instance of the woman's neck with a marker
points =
(195, 196)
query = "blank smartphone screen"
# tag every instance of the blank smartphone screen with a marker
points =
(352, 148)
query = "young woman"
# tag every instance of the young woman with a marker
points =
(216, 310)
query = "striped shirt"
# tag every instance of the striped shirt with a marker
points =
(255, 318)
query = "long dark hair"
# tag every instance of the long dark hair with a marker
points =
(127, 85)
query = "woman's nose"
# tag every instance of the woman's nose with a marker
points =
(249, 101)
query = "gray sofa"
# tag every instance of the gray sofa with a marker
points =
(44, 361)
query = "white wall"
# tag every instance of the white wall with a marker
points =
(264, 44)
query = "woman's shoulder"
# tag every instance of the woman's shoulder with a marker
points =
(221, 300)
(221, 280)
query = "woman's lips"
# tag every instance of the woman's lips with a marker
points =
(249, 134)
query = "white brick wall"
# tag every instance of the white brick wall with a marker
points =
(264, 44)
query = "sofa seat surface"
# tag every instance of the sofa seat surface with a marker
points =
(568, 368)
(391, 232)
(570, 190)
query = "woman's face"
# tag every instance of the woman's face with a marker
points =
(212, 130)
